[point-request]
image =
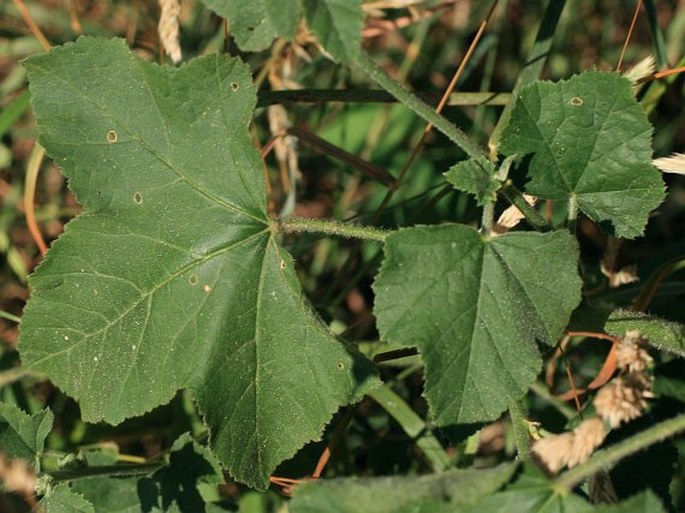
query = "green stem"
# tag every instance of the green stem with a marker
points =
(515, 197)
(10, 317)
(541, 391)
(105, 470)
(413, 426)
(488, 217)
(298, 224)
(519, 423)
(605, 459)
(422, 109)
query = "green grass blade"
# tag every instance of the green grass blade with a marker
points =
(413, 425)
(534, 64)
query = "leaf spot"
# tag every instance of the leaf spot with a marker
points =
(95, 358)
(138, 198)
(235, 86)
(66, 337)
(112, 136)
(193, 279)
(576, 101)
(207, 288)
(281, 265)
(341, 366)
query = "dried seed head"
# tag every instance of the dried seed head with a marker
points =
(586, 438)
(631, 355)
(619, 402)
(511, 217)
(553, 451)
(168, 28)
(18, 477)
(673, 164)
(570, 449)
(641, 70)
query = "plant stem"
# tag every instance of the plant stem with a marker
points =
(9, 316)
(422, 109)
(105, 470)
(298, 224)
(413, 426)
(488, 217)
(519, 423)
(605, 459)
(515, 197)
(462, 99)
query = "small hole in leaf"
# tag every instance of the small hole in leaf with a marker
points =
(282, 265)
(193, 279)
(235, 86)
(111, 136)
(341, 366)
(576, 101)
(138, 198)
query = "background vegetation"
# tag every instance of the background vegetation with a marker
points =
(420, 46)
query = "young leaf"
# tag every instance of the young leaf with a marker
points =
(475, 176)
(62, 499)
(254, 25)
(449, 490)
(474, 307)
(172, 276)
(23, 435)
(589, 139)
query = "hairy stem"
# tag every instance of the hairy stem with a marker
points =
(519, 423)
(609, 457)
(414, 103)
(298, 224)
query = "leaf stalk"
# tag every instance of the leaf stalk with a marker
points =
(329, 227)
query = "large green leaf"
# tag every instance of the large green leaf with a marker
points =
(445, 491)
(255, 24)
(474, 306)
(589, 139)
(23, 435)
(172, 277)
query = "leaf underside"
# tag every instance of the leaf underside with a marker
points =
(172, 277)
(474, 308)
(588, 138)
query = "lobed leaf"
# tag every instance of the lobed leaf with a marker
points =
(23, 435)
(475, 176)
(172, 277)
(474, 307)
(588, 139)
(254, 25)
